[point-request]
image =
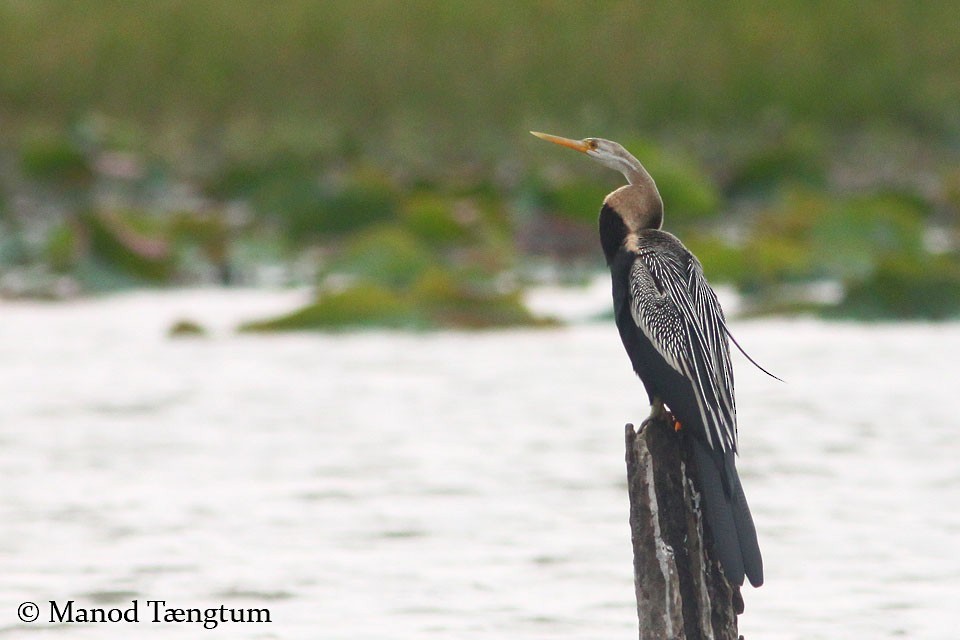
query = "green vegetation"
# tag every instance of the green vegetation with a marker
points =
(364, 305)
(389, 256)
(126, 243)
(395, 279)
(55, 161)
(435, 300)
(902, 288)
(379, 150)
(336, 76)
(186, 329)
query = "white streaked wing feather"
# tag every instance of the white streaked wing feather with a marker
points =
(672, 304)
(710, 314)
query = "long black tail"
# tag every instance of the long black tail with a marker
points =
(727, 514)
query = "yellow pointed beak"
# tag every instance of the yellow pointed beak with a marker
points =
(578, 145)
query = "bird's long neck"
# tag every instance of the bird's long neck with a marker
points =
(637, 175)
(639, 202)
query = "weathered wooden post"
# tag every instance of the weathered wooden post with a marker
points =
(681, 591)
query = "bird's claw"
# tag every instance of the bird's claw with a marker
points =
(643, 425)
(658, 416)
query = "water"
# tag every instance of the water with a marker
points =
(450, 485)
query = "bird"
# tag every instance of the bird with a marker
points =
(675, 334)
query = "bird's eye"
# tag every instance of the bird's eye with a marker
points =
(592, 143)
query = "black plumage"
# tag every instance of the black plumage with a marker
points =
(675, 334)
(656, 284)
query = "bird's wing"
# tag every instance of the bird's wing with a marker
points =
(678, 312)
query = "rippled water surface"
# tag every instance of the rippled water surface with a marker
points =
(450, 485)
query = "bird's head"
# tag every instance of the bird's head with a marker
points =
(607, 152)
(638, 203)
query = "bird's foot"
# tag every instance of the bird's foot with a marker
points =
(646, 423)
(659, 413)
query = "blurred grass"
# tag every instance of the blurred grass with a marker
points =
(424, 77)
(793, 142)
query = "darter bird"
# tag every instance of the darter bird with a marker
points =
(675, 334)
